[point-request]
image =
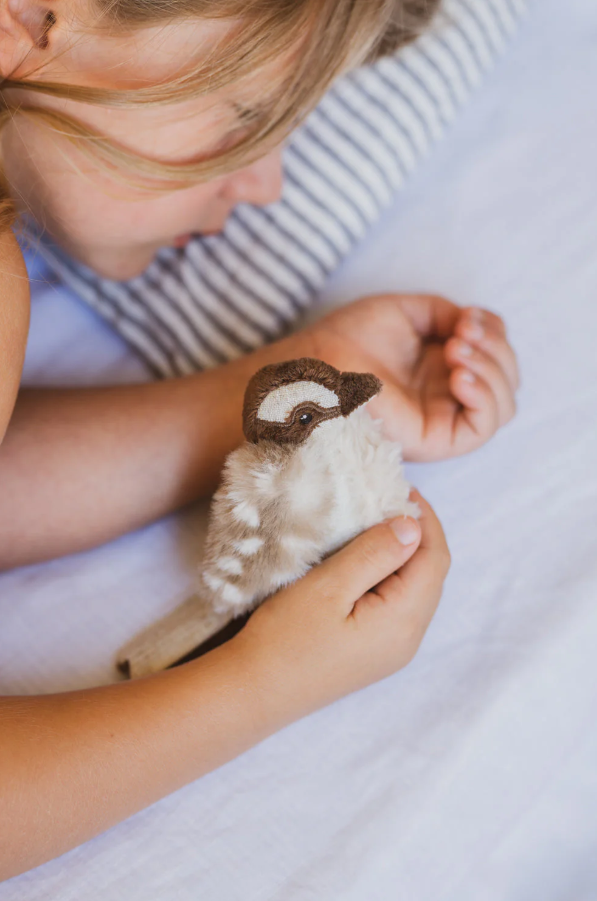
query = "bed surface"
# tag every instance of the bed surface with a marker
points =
(471, 775)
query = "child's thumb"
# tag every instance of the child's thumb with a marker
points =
(368, 560)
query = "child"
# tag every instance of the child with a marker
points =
(177, 111)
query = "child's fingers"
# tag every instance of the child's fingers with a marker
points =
(432, 560)
(480, 416)
(364, 563)
(414, 591)
(486, 317)
(461, 353)
(433, 538)
(487, 332)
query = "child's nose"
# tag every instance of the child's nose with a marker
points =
(260, 183)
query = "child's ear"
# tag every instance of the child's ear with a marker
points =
(24, 34)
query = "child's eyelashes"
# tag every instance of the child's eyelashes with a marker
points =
(247, 118)
(247, 115)
(49, 22)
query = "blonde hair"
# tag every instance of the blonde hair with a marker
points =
(322, 37)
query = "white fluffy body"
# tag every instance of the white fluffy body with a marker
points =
(282, 510)
(350, 459)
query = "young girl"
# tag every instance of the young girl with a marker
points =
(127, 126)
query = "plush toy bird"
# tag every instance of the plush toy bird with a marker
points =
(314, 472)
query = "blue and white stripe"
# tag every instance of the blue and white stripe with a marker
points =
(225, 295)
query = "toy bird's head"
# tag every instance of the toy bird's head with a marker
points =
(285, 402)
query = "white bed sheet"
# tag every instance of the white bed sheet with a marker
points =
(471, 775)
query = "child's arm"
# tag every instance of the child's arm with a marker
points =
(72, 765)
(79, 467)
(14, 324)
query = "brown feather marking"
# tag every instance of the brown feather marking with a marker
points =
(353, 389)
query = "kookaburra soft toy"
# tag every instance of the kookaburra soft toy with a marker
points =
(314, 472)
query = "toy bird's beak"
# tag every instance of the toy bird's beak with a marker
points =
(357, 389)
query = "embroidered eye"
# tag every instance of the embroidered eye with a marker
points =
(306, 418)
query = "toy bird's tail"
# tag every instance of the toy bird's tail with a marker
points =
(172, 638)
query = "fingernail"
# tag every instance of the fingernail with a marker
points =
(405, 530)
(473, 331)
(464, 349)
(468, 377)
(476, 313)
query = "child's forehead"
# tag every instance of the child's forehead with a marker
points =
(124, 60)
(127, 59)
(172, 132)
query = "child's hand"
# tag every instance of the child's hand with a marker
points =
(355, 619)
(449, 374)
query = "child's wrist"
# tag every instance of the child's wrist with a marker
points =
(275, 686)
(236, 679)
